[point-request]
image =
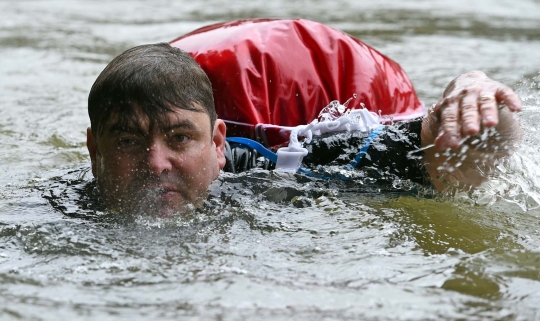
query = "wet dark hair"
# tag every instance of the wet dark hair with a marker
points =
(153, 80)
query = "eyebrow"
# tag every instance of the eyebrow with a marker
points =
(137, 129)
(126, 128)
(179, 124)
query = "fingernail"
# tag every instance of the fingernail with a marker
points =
(488, 118)
(470, 128)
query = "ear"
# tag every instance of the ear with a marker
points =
(220, 131)
(92, 149)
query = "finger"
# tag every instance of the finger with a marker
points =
(470, 119)
(449, 128)
(488, 110)
(509, 97)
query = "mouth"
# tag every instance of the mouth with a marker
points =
(167, 191)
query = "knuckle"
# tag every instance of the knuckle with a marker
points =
(508, 93)
(468, 106)
(470, 115)
(450, 128)
(486, 107)
(449, 115)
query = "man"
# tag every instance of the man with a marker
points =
(156, 144)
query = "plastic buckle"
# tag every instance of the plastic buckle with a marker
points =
(289, 159)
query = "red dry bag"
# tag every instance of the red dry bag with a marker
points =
(283, 72)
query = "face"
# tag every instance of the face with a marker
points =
(158, 171)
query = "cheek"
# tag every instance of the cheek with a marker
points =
(189, 165)
(199, 163)
(116, 167)
(203, 161)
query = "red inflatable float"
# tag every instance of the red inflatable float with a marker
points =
(283, 72)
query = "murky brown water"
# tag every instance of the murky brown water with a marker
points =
(319, 250)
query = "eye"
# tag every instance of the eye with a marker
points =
(128, 141)
(179, 138)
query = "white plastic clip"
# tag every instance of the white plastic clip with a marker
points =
(333, 118)
(289, 159)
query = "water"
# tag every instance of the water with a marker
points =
(267, 246)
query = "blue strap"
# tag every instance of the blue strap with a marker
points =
(363, 150)
(270, 155)
(361, 153)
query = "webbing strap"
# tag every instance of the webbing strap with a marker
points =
(363, 150)
(270, 155)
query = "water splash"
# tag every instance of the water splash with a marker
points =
(515, 181)
(346, 104)
(529, 92)
(335, 109)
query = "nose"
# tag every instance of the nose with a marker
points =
(159, 158)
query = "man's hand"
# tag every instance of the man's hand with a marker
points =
(470, 103)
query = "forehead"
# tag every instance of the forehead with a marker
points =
(139, 121)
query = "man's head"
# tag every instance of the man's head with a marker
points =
(154, 140)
